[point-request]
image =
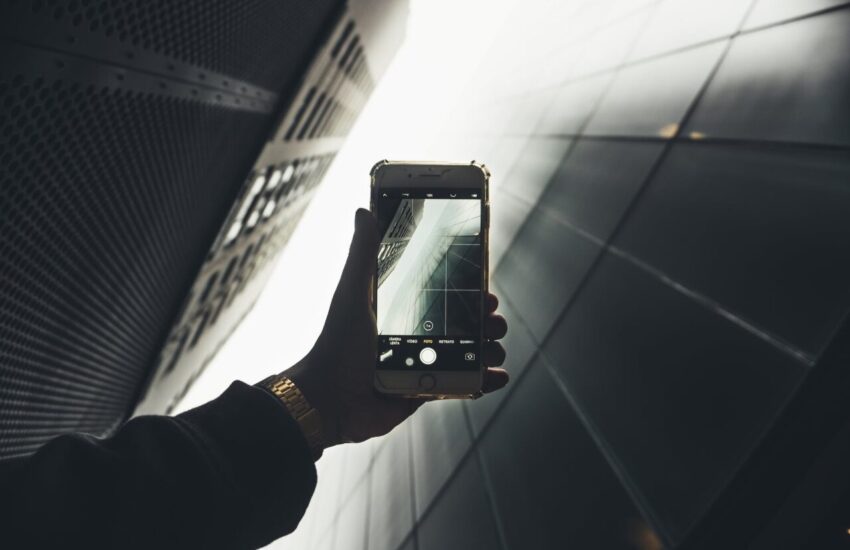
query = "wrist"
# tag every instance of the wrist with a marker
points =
(317, 391)
(309, 418)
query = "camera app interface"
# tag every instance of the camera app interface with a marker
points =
(429, 279)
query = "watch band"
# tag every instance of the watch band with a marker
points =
(307, 417)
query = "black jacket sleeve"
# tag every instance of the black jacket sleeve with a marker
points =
(233, 473)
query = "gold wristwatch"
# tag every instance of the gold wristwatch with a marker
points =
(307, 417)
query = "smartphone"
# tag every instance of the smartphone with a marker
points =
(432, 277)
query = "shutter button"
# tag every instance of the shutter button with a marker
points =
(427, 356)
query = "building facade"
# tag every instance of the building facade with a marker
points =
(334, 89)
(669, 235)
(155, 157)
(395, 239)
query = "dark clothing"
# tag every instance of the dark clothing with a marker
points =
(233, 473)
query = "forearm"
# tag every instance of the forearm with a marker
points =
(234, 473)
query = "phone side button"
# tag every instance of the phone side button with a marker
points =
(427, 382)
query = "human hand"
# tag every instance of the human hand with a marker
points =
(336, 376)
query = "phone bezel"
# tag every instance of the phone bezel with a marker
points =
(437, 176)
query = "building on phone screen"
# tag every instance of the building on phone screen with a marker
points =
(395, 239)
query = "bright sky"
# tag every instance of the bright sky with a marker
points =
(446, 41)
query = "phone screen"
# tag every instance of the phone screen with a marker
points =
(429, 279)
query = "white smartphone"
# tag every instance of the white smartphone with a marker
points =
(432, 277)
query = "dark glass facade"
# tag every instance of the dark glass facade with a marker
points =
(671, 189)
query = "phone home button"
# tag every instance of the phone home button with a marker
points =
(427, 382)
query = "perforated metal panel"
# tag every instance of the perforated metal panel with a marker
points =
(126, 131)
(263, 42)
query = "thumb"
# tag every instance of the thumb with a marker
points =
(362, 255)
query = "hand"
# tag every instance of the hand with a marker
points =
(337, 374)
